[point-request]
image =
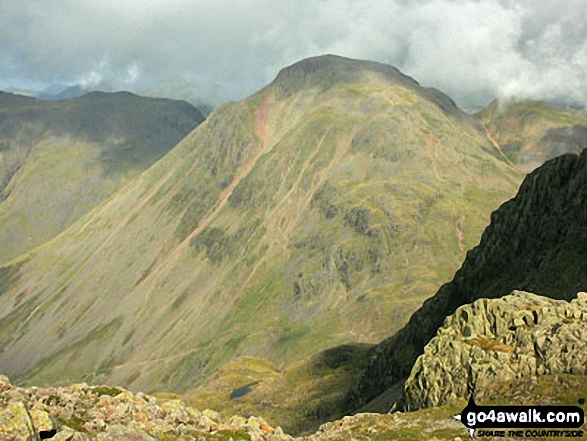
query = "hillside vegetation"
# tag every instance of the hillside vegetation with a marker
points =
(320, 211)
(531, 132)
(535, 242)
(59, 160)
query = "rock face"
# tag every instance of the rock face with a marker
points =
(81, 412)
(520, 335)
(536, 242)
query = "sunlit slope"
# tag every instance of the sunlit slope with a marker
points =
(59, 160)
(531, 132)
(322, 210)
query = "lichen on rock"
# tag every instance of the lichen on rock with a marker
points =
(81, 412)
(517, 336)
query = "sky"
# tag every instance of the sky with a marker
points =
(219, 50)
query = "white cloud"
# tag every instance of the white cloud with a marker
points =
(472, 49)
(90, 79)
(133, 73)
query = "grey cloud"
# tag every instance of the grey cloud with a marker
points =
(474, 50)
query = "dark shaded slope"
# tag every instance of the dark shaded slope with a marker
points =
(149, 125)
(536, 242)
(58, 160)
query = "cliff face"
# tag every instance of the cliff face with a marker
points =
(497, 340)
(536, 242)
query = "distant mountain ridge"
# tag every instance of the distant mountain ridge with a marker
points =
(60, 159)
(532, 132)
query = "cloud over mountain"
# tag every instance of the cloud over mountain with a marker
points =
(472, 49)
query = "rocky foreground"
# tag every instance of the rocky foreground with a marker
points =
(515, 339)
(81, 412)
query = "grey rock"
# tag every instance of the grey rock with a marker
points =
(520, 335)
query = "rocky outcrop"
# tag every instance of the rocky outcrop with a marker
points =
(494, 340)
(536, 242)
(81, 412)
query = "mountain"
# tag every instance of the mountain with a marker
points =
(58, 92)
(320, 211)
(531, 132)
(59, 160)
(185, 91)
(536, 242)
(19, 91)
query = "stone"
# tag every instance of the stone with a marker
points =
(237, 420)
(520, 335)
(15, 423)
(85, 415)
(211, 414)
(42, 420)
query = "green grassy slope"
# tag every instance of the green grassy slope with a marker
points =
(322, 210)
(59, 160)
(532, 132)
(298, 399)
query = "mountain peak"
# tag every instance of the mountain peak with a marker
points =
(324, 71)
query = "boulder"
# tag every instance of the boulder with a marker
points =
(517, 336)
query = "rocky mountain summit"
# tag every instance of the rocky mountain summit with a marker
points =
(81, 412)
(495, 340)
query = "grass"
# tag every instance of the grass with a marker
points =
(297, 399)
(74, 423)
(235, 435)
(437, 423)
(76, 360)
(531, 132)
(80, 152)
(105, 390)
(9, 275)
